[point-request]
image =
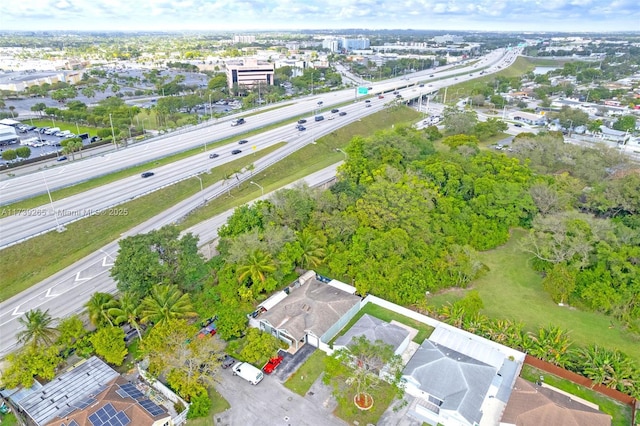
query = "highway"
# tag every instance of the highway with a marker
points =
(66, 292)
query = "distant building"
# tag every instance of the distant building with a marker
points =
(244, 39)
(21, 81)
(339, 44)
(448, 39)
(249, 73)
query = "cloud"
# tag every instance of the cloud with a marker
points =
(256, 15)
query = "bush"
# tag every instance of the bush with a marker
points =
(200, 406)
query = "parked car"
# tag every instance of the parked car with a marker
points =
(236, 151)
(243, 141)
(273, 363)
(147, 174)
(214, 155)
(227, 361)
(248, 372)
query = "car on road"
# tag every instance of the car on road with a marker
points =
(319, 118)
(147, 174)
(302, 121)
(422, 85)
(380, 97)
(368, 105)
(431, 75)
(237, 122)
(342, 114)
(61, 158)
(368, 101)
(243, 141)
(301, 128)
(236, 151)
(214, 155)
(518, 124)
(319, 102)
(335, 110)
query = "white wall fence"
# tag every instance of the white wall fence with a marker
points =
(181, 418)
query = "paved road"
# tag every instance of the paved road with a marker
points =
(66, 292)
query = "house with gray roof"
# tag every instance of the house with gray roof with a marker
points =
(375, 329)
(310, 311)
(466, 382)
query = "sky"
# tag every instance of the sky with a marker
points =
(248, 16)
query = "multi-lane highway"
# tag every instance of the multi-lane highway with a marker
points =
(67, 291)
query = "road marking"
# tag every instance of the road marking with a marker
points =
(15, 311)
(49, 293)
(81, 279)
(106, 263)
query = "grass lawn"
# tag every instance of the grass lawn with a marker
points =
(218, 405)
(620, 413)
(513, 290)
(379, 312)
(300, 382)
(52, 252)
(9, 419)
(383, 395)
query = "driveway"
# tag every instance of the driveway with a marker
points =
(291, 363)
(269, 403)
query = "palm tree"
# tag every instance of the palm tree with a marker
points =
(164, 303)
(312, 251)
(256, 266)
(127, 311)
(38, 329)
(98, 307)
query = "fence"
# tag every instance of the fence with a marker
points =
(580, 380)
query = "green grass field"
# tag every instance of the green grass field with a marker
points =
(513, 290)
(620, 413)
(300, 382)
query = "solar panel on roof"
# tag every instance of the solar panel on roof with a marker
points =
(95, 420)
(123, 418)
(84, 403)
(132, 391)
(151, 407)
(109, 410)
(73, 423)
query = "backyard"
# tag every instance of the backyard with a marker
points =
(513, 290)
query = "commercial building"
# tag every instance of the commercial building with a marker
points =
(8, 135)
(249, 73)
(339, 44)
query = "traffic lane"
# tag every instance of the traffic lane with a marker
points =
(269, 403)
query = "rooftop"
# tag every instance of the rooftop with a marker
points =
(374, 329)
(314, 306)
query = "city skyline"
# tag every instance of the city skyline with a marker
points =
(262, 15)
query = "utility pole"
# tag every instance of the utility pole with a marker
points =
(113, 134)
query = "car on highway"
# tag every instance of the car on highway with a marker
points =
(319, 102)
(335, 110)
(342, 114)
(214, 155)
(242, 141)
(380, 97)
(368, 101)
(431, 75)
(236, 151)
(237, 122)
(518, 124)
(61, 158)
(147, 174)
(367, 105)
(302, 128)
(319, 118)
(422, 85)
(302, 121)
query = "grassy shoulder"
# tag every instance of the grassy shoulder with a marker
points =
(512, 289)
(52, 252)
(620, 413)
(300, 382)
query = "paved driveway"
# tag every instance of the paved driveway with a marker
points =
(269, 403)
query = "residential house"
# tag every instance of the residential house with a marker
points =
(375, 329)
(533, 405)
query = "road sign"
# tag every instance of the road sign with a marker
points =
(362, 90)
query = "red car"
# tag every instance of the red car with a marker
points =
(273, 363)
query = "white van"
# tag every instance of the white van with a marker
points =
(52, 130)
(248, 372)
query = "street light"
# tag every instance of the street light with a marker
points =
(113, 134)
(345, 154)
(201, 187)
(210, 107)
(261, 188)
(55, 214)
(143, 120)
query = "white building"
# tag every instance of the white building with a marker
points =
(249, 73)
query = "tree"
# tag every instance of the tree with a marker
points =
(109, 344)
(361, 367)
(312, 250)
(9, 154)
(28, 363)
(71, 146)
(98, 306)
(256, 266)
(71, 330)
(259, 345)
(23, 152)
(626, 123)
(161, 256)
(459, 122)
(560, 282)
(127, 311)
(166, 302)
(38, 329)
